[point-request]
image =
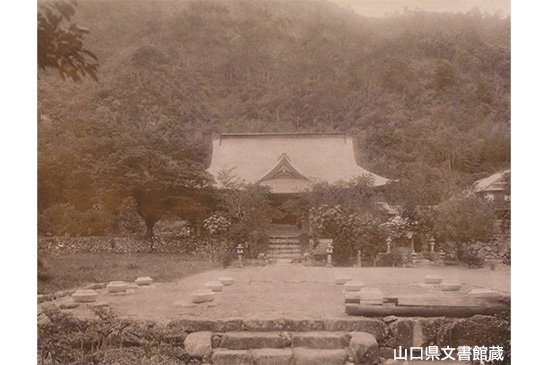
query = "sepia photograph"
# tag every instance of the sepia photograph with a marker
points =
(272, 182)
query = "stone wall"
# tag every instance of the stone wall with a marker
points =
(493, 250)
(167, 340)
(125, 244)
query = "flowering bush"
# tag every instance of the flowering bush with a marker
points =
(350, 231)
(216, 225)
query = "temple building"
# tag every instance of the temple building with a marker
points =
(288, 162)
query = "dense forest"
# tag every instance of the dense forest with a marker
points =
(426, 95)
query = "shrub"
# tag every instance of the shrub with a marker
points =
(226, 258)
(507, 257)
(472, 260)
(432, 256)
(397, 257)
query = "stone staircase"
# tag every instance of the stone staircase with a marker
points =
(283, 242)
(295, 348)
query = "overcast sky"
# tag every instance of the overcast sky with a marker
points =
(380, 7)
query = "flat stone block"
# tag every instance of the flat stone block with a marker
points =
(252, 340)
(352, 296)
(68, 305)
(96, 286)
(231, 357)
(216, 286)
(117, 286)
(482, 292)
(202, 295)
(143, 280)
(226, 280)
(302, 356)
(320, 340)
(353, 285)
(450, 286)
(370, 325)
(433, 279)
(185, 304)
(84, 296)
(272, 356)
(340, 280)
(198, 344)
(371, 296)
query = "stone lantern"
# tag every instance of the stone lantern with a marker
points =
(240, 252)
(388, 244)
(432, 244)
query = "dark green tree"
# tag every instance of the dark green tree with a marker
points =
(61, 41)
(463, 220)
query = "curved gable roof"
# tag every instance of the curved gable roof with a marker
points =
(494, 182)
(288, 162)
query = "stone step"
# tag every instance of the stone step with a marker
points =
(285, 249)
(283, 256)
(275, 254)
(259, 340)
(284, 245)
(287, 356)
(286, 240)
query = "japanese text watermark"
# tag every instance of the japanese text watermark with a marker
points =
(460, 353)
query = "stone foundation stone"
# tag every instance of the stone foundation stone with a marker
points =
(364, 348)
(198, 344)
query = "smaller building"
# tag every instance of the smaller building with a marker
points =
(495, 189)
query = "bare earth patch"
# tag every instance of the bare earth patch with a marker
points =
(278, 291)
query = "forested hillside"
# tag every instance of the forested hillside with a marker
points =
(426, 95)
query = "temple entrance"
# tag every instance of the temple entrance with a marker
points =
(288, 219)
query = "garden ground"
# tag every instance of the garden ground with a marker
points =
(75, 270)
(274, 291)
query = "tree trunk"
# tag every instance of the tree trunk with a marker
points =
(150, 234)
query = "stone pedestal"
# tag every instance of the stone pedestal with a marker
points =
(371, 296)
(84, 296)
(433, 279)
(215, 286)
(202, 295)
(340, 280)
(353, 286)
(225, 280)
(143, 280)
(117, 287)
(450, 286)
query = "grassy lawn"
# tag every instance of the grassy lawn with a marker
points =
(72, 271)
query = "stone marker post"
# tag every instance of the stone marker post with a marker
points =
(240, 251)
(329, 251)
(359, 260)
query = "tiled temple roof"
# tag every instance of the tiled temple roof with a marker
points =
(288, 162)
